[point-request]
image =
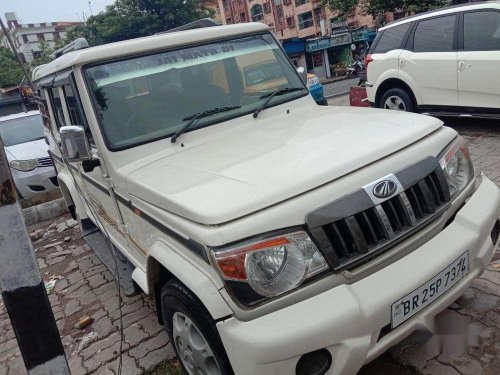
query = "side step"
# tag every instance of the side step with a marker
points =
(99, 245)
(490, 116)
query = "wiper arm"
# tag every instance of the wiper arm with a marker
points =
(272, 95)
(192, 119)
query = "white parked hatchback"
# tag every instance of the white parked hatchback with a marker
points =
(443, 62)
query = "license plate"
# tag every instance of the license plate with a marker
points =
(427, 293)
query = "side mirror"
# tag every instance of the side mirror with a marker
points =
(75, 144)
(303, 74)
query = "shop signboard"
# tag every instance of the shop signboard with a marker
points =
(358, 36)
(317, 44)
(340, 39)
(338, 26)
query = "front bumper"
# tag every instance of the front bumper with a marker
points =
(37, 181)
(347, 320)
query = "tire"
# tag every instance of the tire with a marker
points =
(181, 307)
(400, 99)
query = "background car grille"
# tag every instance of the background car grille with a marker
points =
(363, 234)
(45, 162)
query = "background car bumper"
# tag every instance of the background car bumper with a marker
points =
(34, 182)
(348, 319)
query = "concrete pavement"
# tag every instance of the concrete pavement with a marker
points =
(339, 87)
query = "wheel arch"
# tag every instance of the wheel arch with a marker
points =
(165, 264)
(394, 83)
(71, 197)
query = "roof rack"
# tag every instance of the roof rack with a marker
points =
(75, 45)
(199, 24)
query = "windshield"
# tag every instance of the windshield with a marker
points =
(146, 98)
(21, 130)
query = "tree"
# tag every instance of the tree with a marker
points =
(343, 7)
(379, 7)
(127, 19)
(10, 71)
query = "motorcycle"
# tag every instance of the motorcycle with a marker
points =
(355, 69)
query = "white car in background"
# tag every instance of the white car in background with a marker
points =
(443, 62)
(26, 150)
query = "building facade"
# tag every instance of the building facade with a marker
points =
(311, 34)
(28, 37)
(213, 5)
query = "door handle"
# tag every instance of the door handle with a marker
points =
(461, 66)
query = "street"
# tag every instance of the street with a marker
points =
(339, 88)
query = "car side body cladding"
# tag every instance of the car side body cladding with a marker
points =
(162, 255)
(70, 194)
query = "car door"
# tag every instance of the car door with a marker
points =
(429, 62)
(479, 59)
(90, 181)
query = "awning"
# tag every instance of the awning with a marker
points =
(294, 47)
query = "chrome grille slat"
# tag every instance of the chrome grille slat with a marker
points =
(362, 235)
(45, 162)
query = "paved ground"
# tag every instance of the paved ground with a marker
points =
(340, 87)
(84, 287)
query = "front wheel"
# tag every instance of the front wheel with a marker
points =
(398, 100)
(192, 332)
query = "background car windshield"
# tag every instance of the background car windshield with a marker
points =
(21, 130)
(146, 98)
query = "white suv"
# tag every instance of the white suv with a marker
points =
(443, 62)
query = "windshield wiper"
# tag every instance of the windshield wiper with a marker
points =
(271, 95)
(196, 116)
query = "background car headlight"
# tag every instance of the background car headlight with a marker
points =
(24, 165)
(457, 166)
(272, 266)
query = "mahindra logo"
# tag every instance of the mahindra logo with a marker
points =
(384, 189)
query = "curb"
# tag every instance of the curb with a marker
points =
(44, 211)
(337, 95)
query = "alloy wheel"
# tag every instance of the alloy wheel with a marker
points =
(395, 103)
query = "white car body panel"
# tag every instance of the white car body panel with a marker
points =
(438, 88)
(242, 167)
(479, 82)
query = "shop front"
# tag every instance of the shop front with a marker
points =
(317, 57)
(362, 40)
(296, 49)
(340, 54)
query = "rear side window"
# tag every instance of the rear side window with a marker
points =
(392, 38)
(482, 31)
(435, 35)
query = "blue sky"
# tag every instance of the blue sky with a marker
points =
(30, 11)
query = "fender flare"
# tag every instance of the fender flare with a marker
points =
(194, 277)
(70, 194)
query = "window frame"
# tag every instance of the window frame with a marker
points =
(410, 45)
(111, 148)
(461, 30)
(402, 45)
(300, 23)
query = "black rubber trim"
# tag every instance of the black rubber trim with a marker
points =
(416, 172)
(340, 209)
(35, 327)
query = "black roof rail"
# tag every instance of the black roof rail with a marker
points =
(201, 23)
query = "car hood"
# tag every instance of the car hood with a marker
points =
(252, 165)
(29, 150)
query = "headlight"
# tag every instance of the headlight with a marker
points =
(272, 266)
(312, 81)
(24, 165)
(457, 166)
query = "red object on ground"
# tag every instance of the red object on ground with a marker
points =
(357, 97)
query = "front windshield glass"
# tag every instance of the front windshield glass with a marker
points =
(21, 130)
(146, 98)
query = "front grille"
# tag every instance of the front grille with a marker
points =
(367, 232)
(45, 162)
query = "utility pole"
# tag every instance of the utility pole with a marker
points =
(90, 7)
(23, 289)
(13, 47)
